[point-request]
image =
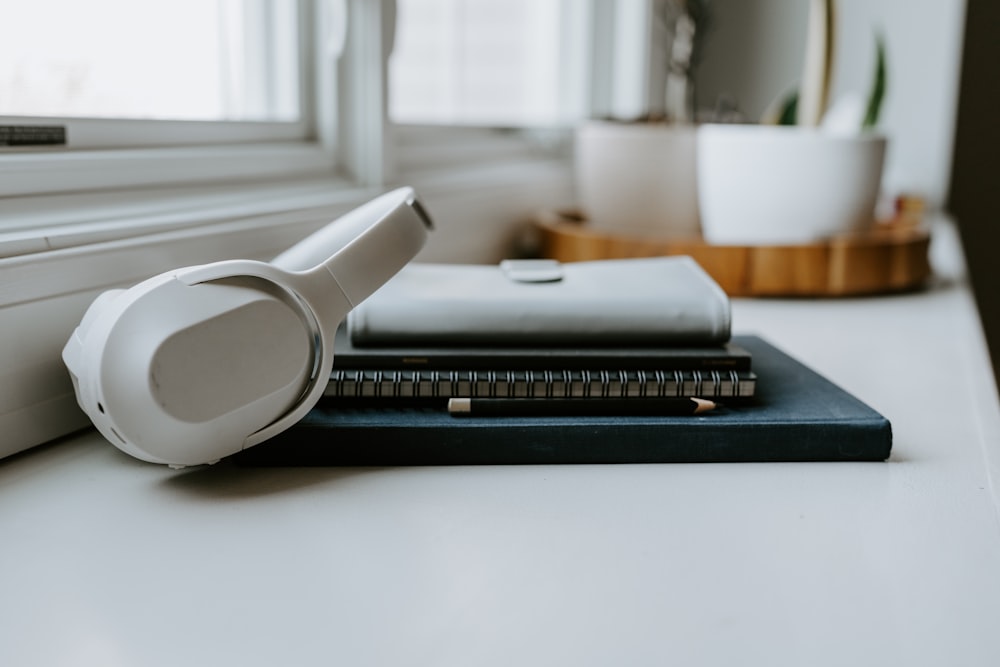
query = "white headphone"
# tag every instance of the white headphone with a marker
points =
(201, 362)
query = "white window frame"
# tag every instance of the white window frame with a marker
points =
(347, 134)
(126, 153)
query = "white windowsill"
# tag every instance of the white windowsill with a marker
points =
(53, 222)
(44, 171)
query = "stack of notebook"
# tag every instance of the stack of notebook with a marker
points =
(601, 333)
(592, 374)
(540, 362)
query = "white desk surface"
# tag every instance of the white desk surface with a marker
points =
(107, 561)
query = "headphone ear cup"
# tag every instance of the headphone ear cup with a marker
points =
(186, 372)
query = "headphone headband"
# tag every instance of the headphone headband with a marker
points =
(365, 248)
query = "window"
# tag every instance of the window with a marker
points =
(106, 68)
(172, 91)
(508, 63)
(235, 55)
(201, 91)
(523, 63)
(223, 91)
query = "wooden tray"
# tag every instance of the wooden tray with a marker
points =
(891, 258)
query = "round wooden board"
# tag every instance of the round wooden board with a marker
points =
(891, 258)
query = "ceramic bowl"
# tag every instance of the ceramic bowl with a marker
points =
(785, 185)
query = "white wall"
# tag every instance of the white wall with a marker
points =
(755, 49)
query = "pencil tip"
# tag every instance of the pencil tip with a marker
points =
(703, 405)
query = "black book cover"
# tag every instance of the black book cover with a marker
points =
(722, 357)
(796, 415)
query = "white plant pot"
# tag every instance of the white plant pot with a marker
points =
(783, 185)
(638, 178)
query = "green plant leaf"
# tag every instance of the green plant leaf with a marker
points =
(878, 86)
(789, 110)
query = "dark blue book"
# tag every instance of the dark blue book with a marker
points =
(795, 415)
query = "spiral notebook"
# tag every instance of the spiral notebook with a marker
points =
(442, 372)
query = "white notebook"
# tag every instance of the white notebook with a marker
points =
(649, 301)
